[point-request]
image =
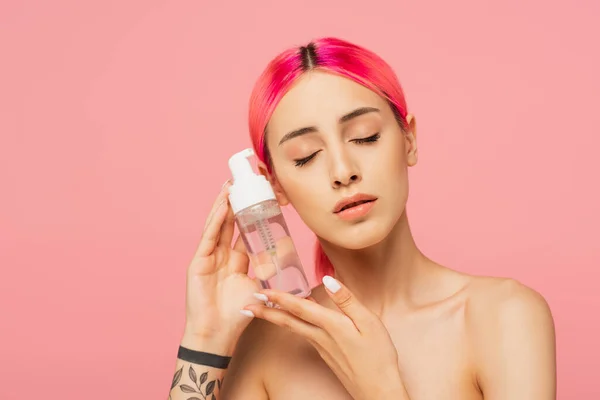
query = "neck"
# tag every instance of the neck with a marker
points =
(384, 275)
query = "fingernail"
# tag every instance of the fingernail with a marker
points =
(225, 184)
(261, 296)
(247, 313)
(331, 284)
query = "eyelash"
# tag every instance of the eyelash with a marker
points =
(368, 140)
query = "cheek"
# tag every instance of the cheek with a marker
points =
(309, 197)
(302, 190)
(388, 165)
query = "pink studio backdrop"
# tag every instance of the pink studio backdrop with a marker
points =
(117, 118)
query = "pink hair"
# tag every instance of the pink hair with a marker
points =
(326, 54)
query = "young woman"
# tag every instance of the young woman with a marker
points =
(330, 125)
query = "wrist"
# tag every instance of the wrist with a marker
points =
(215, 345)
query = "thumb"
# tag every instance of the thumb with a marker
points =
(347, 302)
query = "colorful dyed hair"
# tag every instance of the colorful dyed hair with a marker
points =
(330, 55)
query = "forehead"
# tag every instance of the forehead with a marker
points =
(319, 99)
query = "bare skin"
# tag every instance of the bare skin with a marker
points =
(424, 331)
(443, 349)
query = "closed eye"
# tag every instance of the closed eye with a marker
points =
(370, 139)
(303, 161)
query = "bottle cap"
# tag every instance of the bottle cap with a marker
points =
(248, 188)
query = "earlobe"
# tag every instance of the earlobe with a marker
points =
(279, 193)
(411, 141)
(411, 150)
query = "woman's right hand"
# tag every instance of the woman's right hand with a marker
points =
(218, 285)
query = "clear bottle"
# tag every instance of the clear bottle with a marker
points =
(259, 218)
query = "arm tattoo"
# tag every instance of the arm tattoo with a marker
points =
(195, 389)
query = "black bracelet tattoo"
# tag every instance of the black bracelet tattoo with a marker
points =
(202, 358)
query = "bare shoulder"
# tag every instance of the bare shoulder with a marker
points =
(511, 335)
(504, 300)
(245, 376)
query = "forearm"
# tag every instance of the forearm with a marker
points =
(195, 377)
(193, 380)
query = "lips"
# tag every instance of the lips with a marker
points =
(353, 204)
(353, 201)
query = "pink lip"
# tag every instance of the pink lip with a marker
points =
(356, 211)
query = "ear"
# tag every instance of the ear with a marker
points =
(411, 141)
(279, 193)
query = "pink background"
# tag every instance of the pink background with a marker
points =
(117, 118)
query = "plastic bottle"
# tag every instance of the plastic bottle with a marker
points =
(261, 223)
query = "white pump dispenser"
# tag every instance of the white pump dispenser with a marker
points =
(248, 188)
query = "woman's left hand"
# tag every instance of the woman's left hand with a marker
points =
(354, 342)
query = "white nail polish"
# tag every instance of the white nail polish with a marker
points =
(331, 284)
(261, 296)
(247, 313)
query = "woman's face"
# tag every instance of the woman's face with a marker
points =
(331, 138)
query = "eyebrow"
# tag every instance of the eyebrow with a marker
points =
(345, 118)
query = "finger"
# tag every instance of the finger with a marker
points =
(210, 237)
(265, 271)
(201, 251)
(239, 245)
(288, 321)
(348, 303)
(220, 197)
(309, 311)
(228, 227)
(240, 262)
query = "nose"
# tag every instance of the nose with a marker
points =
(344, 171)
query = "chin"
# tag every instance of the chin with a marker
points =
(361, 235)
